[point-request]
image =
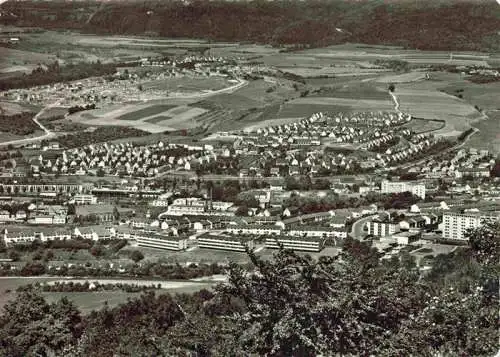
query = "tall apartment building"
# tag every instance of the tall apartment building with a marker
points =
(403, 186)
(455, 224)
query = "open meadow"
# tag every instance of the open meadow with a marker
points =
(88, 301)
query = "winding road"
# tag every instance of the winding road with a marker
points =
(47, 133)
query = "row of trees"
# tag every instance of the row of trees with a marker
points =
(99, 135)
(66, 287)
(145, 269)
(352, 305)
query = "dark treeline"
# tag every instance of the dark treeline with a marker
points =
(80, 108)
(99, 135)
(144, 270)
(70, 286)
(352, 305)
(18, 124)
(448, 25)
(54, 73)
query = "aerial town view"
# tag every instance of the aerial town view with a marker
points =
(249, 178)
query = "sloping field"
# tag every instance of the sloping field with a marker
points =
(11, 59)
(157, 119)
(146, 112)
(331, 71)
(489, 134)
(436, 105)
(352, 104)
(292, 110)
(188, 84)
(402, 78)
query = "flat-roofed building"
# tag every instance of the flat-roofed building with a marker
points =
(403, 186)
(383, 225)
(456, 224)
(225, 242)
(84, 199)
(314, 231)
(311, 244)
(256, 229)
(405, 238)
(151, 239)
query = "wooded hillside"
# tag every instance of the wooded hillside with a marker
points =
(444, 25)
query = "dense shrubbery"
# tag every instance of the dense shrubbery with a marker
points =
(70, 286)
(143, 270)
(465, 134)
(80, 108)
(18, 124)
(307, 205)
(99, 135)
(353, 305)
(483, 79)
(54, 73)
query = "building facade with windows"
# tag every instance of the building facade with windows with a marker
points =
(225, 242)
(311, 244)
(403, 186)
(456, 224)
(158, 241)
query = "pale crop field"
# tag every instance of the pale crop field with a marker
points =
(353, 104)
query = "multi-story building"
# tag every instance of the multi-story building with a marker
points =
(383, 225)
(197, 206)
(403, 186)
(85, 199)
(311, 244)
(225, 242)
(456, 224)
(256, 229)
(154, 240)
(313, 231)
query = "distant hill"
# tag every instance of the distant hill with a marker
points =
(422, 24)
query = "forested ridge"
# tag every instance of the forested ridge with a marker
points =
(460, 25)
(352, 305)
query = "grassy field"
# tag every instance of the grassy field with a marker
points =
(188, 84)
(86, 301)
(352, 104)
(428, 103)
(355, 90)
(146, 112)
(424, 125)
(402, 78)
(489, 134)
(157, 119)
(23, 61)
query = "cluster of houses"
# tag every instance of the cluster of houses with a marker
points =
(125, 159)
(463, 163)
(129, 85)
(320, 128)
(37, 215)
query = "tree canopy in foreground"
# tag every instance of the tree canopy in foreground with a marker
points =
(353, 305)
